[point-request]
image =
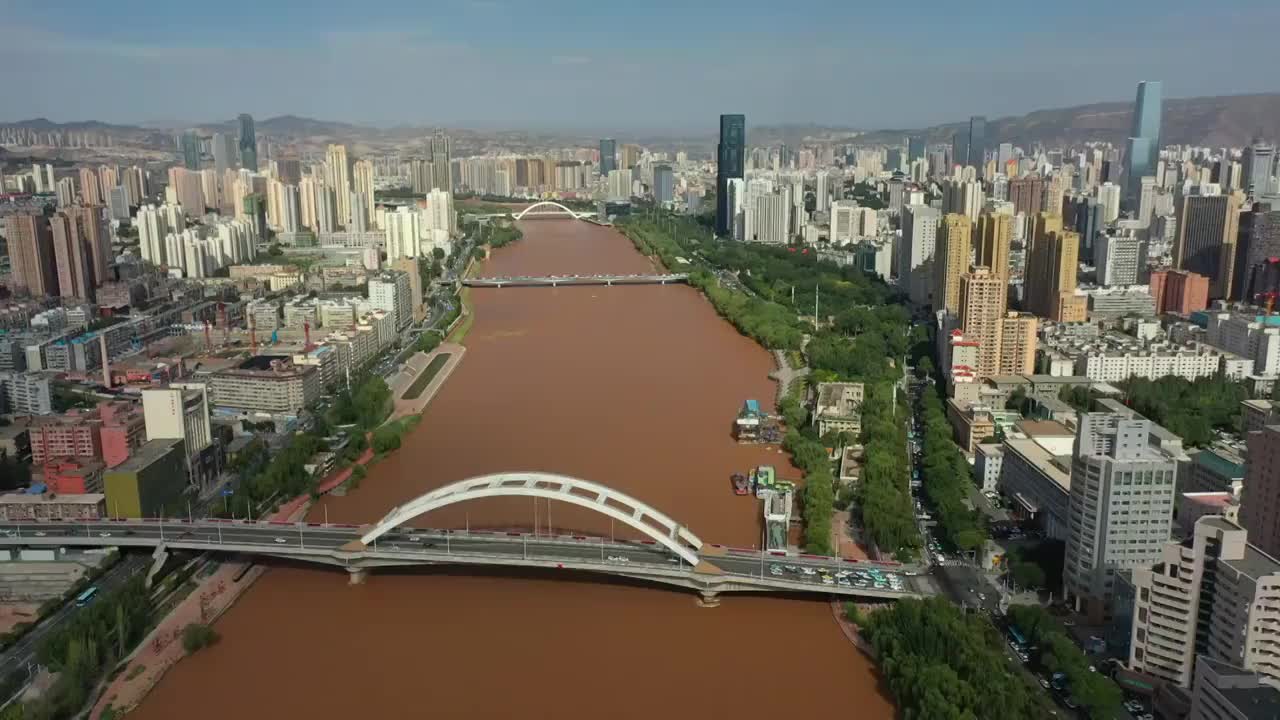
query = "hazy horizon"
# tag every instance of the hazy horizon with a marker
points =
(575, 66)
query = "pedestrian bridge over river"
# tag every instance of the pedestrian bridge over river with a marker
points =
(670, 554)
(558, 280)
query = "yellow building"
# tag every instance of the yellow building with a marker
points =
(951, 260)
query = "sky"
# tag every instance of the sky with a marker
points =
(616, 65)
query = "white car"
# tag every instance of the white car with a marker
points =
(104, 534)
(808, 571)
(280, 541)
(618, 559)
(828, 580)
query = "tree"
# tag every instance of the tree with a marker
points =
(274, 250)
(197, 636)
(1027, 575)
(438, 253)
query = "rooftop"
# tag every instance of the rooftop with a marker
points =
(145, 454)
(25, 499)
(1260, 702)
(1052, 466)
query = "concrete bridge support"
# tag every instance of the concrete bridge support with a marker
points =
(357, 576)
(159, 557)
(708, 598)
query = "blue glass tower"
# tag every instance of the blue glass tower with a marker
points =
(730, 164)
(608, 156)
(1144, 139)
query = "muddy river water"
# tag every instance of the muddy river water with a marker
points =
(632, 387)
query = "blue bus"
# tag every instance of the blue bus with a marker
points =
(1017, 636)
(87, 596)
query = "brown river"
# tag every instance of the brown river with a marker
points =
(632, 387)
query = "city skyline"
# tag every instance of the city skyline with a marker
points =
(682, 57)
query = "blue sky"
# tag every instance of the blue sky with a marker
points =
(650, 65)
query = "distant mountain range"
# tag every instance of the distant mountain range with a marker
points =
(1230, 120)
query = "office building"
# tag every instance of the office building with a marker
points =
(838, 408)
(1256, 169)
(1121, 505)
(248, 144)
(951, 260)
(1212, 595)
(190, 150)
(1109, 199)
(225, 156)
(338, 178)
(1260, 500)
(178, 412)
(1144, 139)
(993, 236)
(664, 184)
(730, 157)
(981, 307)
(915, 261)
(25, 393)
(978, 144)
(1119, 257)
(153, 478)
(31, 255)
(266, 383)
(1208, 227)
(1221, 691)
(1052, 263)
(1179, 291)
(609, 154)
(915, 148)
(1257, 267)
(960, 149)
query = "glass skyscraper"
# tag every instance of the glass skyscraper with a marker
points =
(664, 184)
(730, 154)
(248, 143)
(978, 143)
(1144, 139)
(191, 150)
(608, 156)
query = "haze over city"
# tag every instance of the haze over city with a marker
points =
(662, 66)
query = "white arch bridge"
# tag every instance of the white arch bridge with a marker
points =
(551, 209)
(669, 554)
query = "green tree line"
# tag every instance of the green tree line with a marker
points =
(884, 488)
(1056, 652)
(947, 477)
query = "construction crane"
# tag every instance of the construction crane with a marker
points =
(306, 330)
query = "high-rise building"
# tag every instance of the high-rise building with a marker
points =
(135, 182)
(1260, 501)
(290, 210)
(178, 412)
(1208, 226)
(403, 230)
(1018, 344)
(1120, 510)
(608, 156)
(118, 203)
(981, 309)
(664, 184)
(1258, 245)
(441, 163)
(629, 157)
(1027, 194)
(71, 253)
(1052, 264)
(363, 174)
(1212, 595)
(188, 190)
(822, 191)
(153, 226)
(90, 189)
(915, 148)
(34, 270)
(1257, 167)
(915, 252)
(1119, 256)
(97, 239)
(248, 143)
(190, 140)
(1144, 138)
(960, 149)
(66, 192)
(224, 153)
(729, 165)
(338, 178)
(1179, 291)
(409, 266)
(1109, 199)
(978, 143)
(951, 260)
(390, 291)
(993, 236)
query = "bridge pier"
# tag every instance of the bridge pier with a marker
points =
(708, 598)
(357, 576)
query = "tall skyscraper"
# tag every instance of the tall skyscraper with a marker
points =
(1120, 508)
(135, 183)
(31, 256)
(915, 252)
(1144, 138)
(1207, 230)
(1027, 194)
(1017, 344)
(248, 143)
(441, 163)
(1259, 159)
(1109, 198)
(90, 190)
(337, 170)
(224, 153)
(981, 309)
(951, 260)
(1257, 246)
(959, 149)
(608, 156)
(1119, 256)
(915, 148)
(730, 154)
(978, 143)
(188, 190)
(664, 185)
(1052, 263)
(1260, 501)
(191, 150)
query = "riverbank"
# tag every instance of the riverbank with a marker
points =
(421, 363)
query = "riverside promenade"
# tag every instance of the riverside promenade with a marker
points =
(403, 384)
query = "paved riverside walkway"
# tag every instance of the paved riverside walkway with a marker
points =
(784, 375)
(416, 366)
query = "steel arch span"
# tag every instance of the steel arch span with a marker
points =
(593, 496)
(550, 203)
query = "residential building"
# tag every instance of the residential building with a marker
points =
(391, 292)
(23, 507)
(123, 429)
(664, 184)
(1119, 255)
(993, 236)
(1017, 344)
(31, 255)
(1260, 498)
(1052, 259)
(1027, 194)
(839, 408)
(149, 482)
(72, 435)
(987, 466)
(981, 312)
(1213, 594)
(24, 393)
(1121, 505)
(266, 384)
(1208, 227)
(67, 476)
(71, 253)
(919, 238)
(952, 254)
(1247, 334)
